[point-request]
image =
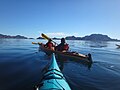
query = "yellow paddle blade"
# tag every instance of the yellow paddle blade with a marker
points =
(37, 43)
(34, 43)
(45, 37)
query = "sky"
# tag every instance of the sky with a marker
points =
(60, 18)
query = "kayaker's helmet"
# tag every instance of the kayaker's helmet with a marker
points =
(63, 40)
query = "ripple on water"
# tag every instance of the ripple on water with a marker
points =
(21, 64)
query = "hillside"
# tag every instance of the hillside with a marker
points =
(92, 37)
(12, 37)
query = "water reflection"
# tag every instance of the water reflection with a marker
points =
(61, 64)
(96, 44)
(63, 60)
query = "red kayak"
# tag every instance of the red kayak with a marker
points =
(68, 55)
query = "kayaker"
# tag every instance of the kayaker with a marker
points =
(63, 46)
(50, 45)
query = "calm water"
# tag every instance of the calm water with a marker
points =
(21, 64)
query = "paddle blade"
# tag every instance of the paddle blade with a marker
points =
(45, 37)
(37, 43)
(34, 43)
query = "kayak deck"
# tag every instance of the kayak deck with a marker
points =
(52, 78)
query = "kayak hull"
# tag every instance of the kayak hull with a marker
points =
(118, 45)
(53, 79)
(68, 55)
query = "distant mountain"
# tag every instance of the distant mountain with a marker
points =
(30, 38)
(56, 38)
(92, 37)
(73, 38)
(40, 38)
(96, 37)
(12, 37)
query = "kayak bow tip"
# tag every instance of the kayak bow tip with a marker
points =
(90, 58)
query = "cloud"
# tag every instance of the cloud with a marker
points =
(61, 34)
(57, 34)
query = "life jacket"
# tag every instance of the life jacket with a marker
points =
(65, 47)
(62, 47)
(49, 45)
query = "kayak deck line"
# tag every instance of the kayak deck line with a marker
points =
(45, 77)
(52, 78)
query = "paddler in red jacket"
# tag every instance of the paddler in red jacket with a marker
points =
(50, 45)
(63, 46)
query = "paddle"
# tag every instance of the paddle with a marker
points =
(45, 37)
(36, 43)
(48, 38)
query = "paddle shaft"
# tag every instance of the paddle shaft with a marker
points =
(48, 38)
